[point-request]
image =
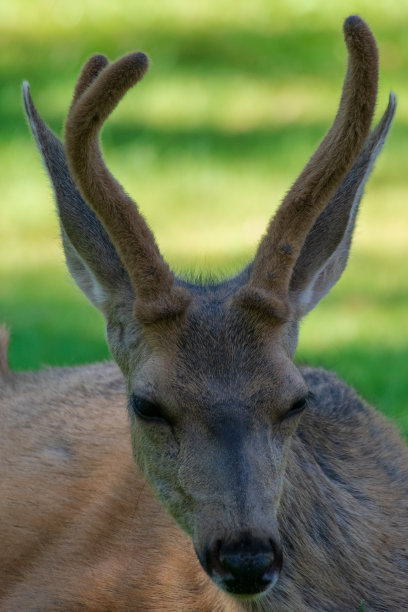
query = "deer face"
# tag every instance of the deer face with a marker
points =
(213, 396)
(212, 415)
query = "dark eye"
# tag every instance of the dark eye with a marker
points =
(149, 411)
(296, 408)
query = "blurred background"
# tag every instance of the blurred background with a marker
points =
(237, 98)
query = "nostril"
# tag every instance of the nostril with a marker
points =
(244, 567)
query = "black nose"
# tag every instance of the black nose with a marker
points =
(246, 566)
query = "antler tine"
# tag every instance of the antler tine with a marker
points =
(156, 294)
(89, 72)
(287, 232)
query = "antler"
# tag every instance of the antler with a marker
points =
(268, 287)
(99, 89)
(89, 72)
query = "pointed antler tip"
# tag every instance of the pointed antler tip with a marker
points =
(139, 62)
(128, 71)
(355, 28)
(96, 63)
(89, 72)
(354, 22)
(99, 58)
(360, 40)
(102, 85)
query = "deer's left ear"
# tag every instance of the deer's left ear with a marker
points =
(325, 252)
(90, 255)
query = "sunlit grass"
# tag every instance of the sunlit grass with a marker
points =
(237, 98)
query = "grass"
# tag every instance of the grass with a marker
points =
(237, 98)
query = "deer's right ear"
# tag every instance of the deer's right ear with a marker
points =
(90, 255)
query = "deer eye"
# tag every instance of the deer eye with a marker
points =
(296, 408)
(147, 410)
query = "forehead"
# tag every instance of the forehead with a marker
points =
(222, 347)
(219, 357)
(214, 335)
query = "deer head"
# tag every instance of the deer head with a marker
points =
(214, 397)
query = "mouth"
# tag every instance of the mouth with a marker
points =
(246, 588)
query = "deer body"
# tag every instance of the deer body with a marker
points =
(85, 530)
(254, 484)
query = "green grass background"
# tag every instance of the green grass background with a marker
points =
(237, 98)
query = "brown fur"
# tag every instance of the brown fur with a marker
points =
(280, 248)
(88, 74)
(291, 504)
(150, 275)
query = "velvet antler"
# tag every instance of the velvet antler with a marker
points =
(99, 89)
(268, 286)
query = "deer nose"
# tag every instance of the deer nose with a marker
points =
(246, 566)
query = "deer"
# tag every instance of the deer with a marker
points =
(235, 480)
